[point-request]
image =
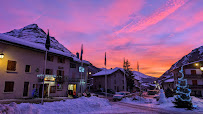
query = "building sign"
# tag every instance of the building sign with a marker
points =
(47, 77)
(42, 75)
(81, 69)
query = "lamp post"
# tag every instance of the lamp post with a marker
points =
(1, 55)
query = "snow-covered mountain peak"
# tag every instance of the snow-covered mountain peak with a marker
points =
(33, 33)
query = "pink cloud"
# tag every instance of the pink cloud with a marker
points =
(170, 7)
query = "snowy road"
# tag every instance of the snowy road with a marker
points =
(126, 108)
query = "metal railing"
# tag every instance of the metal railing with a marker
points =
(193, 76)
(196, 86)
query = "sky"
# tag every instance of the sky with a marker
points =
(154, 33)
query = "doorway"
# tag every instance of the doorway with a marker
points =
(45, 90)
(26, 88)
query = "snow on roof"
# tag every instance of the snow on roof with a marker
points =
(107, 72)
(38, 46)
(169, 80)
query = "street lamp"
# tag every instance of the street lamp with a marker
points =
(201, 68)
(1, 55)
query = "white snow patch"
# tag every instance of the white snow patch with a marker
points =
(70, 106)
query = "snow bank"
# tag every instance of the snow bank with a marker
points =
(168, 105)
(70, 106)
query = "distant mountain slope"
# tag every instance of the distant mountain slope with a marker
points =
(194, 55)
(35, 34)
(142, 77)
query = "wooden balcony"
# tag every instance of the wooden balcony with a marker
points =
(74, 80)
(196, 86)
(59, 79)
(193, 76)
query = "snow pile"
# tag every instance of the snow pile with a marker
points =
(168, 105)
(70, 106)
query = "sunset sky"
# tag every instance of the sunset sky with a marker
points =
(157, 33)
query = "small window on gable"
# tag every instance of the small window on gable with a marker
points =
(27, 68)
(11, 66)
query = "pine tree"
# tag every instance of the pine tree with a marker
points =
(129, 75)
(183, 99)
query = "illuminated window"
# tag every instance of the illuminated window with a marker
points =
(11, 66)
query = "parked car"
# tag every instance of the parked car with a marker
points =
(110, 91)
(120, 95)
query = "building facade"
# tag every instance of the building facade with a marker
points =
(193, 74)
(23, 66)
(115, 80)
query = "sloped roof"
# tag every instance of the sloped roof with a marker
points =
(108, 71)
(37, 46)
(169, 80)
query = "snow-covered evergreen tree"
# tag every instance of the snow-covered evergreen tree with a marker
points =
(183, 99)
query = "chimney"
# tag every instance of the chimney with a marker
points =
(77, 54)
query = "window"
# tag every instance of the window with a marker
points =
(49, 71)
(9, 86)
(60, 73)
(11, 66)
(114, 88)
(114, 81)
(53, 89)
(50, 58)
(61, 60)
(194, 82)
(193, 72)
(59, 86)
(27, 68)
(123, 87)
(72, 65)
(123, 81)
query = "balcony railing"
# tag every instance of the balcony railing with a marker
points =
(196, 86)
(59, 79)
(193, 76)
(74, 80)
